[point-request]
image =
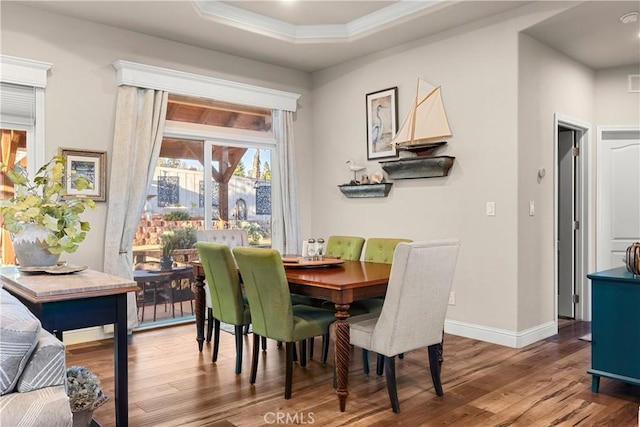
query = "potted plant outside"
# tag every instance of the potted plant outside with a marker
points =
(85, 394)
(255, 232)
(40, 213)
(176, 238)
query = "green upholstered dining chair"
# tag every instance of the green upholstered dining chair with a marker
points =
(418, 294)
(380, 249)
(227, 303)
(272, 314)
(345, 247)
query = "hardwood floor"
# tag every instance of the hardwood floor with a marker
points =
(544, 384)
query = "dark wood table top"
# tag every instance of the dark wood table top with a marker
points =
(349, 275)
(342, 283)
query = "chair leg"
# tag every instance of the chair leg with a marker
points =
(310, 344)
(216, 339)
(365, 361)
(238, 331)
(209, 323)
(434, 367)
(246, 329)
(380, 364)
(254, 358)
(325, 348)
(155, 292)
(303, 353)
(264, 343)
(390, 373)
(289, 369)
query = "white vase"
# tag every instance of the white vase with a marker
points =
(30, 246)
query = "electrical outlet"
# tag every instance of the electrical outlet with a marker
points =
(452, 298)
(532, 208)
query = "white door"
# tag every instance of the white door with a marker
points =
(618, 198)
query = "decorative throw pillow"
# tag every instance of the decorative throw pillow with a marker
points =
(46, 365)
(19, 333)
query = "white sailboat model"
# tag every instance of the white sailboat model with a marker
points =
(424, 129)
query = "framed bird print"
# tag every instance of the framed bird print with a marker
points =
(382, 122)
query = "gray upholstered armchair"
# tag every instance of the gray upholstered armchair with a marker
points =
(418, 294)
(32, 367)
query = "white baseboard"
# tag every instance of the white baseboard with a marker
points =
(501, 336)
(78, 336)
(467, 330)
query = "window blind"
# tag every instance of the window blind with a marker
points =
(17, 104)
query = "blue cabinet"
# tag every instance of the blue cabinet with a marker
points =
(615, 326)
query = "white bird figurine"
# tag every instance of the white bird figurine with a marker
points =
(354, 168)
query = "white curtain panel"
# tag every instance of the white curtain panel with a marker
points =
(139, 127)
(285, 228)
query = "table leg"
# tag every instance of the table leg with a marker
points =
(342, 353)
(200, 307)
(121, 367)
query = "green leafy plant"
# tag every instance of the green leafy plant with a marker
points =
(43, 201)
(176, 216)
(83, 389)
(255, 232)
(178, 238)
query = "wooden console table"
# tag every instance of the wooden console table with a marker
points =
(615, 326)
(80, 300)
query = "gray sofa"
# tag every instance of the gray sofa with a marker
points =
(32, 370)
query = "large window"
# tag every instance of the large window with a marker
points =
(214, 171)
(21, 126)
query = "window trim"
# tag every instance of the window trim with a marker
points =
(179, 82)
(28, 72)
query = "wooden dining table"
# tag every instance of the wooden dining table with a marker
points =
(339, 283)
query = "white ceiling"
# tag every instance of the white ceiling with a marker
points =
(313, 35)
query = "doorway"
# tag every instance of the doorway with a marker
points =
(618, 175)
(571, 219)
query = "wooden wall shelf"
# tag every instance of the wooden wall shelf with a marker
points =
(366, 190)
(418, 167)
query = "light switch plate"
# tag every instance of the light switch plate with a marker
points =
(491, 208)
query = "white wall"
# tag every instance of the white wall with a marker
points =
(477, 67)
(81, 89)
(501, 90)
(616, 105)
(550, 83)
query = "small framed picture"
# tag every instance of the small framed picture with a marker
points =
(90, 165)
(382, 123)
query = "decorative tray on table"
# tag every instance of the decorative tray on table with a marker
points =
(301, 262)
(60, 268)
